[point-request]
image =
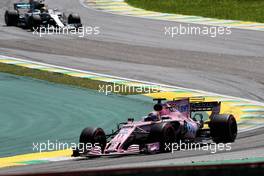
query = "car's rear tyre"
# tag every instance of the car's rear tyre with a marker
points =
(75, 19)
(163, 133)
(91, 136)
(223, 128)
(11, 18)
(34, 22)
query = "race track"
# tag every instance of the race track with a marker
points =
(137, 48)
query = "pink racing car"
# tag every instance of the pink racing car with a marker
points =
(170, 122)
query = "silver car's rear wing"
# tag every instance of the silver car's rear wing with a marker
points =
(21, 5)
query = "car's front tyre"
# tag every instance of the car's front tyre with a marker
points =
(91, 136)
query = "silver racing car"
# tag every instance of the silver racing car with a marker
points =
(35, 14)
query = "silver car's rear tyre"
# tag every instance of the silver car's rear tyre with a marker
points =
(34, 22)
(11, 18)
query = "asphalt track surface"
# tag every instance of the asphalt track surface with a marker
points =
(137, 48)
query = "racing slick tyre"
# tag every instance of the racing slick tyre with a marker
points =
(11, 18)
(91, 136)
(34, 22)
(223, 128)
(75, 20)
(163, 133)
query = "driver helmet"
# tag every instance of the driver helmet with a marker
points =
(165, 110)
(43, 9)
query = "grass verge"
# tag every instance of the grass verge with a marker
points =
(65, 79)
(245, 10)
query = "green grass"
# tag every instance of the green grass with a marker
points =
(245, 10)
(65, 79)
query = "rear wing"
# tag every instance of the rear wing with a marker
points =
(21, 5)
(214, 107)
(195, 104)
(205, 106)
